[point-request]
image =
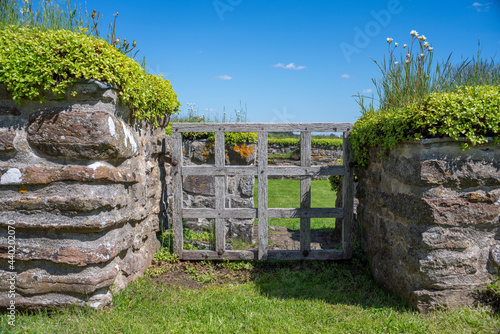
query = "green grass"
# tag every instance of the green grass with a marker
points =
(286, 194)
(277, 298)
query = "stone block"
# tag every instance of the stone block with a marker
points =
(36, 175)
(81, 135)
(495, 254)
(199, 184)
(246, 185)
(6, 140)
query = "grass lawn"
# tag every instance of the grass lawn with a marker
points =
(308, 297)
(286, 194)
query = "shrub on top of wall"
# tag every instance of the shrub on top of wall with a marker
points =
(469, 112)
(33, 61)
(315, 142)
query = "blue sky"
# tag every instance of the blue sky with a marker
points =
(290, 60)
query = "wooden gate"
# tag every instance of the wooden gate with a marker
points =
(261, 170)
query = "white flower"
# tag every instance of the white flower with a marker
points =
(413, 33)
(396, 45)
(395, 63)
(422, 38)
(404, 46)
(422, 55)
(407, 61)
(430, 49)
(389, 40)
(426, 44)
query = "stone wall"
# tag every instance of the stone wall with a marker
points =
(82, 188)
(430, 220)
(199, 191)
(320, 155)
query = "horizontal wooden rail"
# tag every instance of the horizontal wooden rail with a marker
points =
(271, 170)
(239, 255)
(249, 213)
(268, 127)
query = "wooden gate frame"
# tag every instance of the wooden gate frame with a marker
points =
(220, 171)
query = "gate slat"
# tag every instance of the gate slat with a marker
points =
(177, 238)
(220, 193)
(348, 198)
(305, 192)
(262, 194)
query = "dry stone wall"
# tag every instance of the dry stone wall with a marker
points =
(430, 220)
(81, 185)
(320, 155)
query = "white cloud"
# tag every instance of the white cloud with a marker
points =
(367, 91)
(224, 77)
(290, 66)
(346, 76)
(482, 7)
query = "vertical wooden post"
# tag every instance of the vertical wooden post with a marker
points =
(262, 194)
(305, 192)
(348, 197)
(220, 193)
(177, 238)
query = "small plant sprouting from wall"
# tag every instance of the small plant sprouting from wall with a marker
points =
(418, 100)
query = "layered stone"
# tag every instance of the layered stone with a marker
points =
(38, 175)
(430, 215)
(6, 140)
(89, 136)
(82, 189)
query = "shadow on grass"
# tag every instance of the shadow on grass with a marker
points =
(348, 283)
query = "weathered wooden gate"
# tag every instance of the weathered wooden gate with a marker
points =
(220, 171)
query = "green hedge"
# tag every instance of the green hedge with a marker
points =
(469, 112)
(315, 142)
(231, 138)
(33, 61)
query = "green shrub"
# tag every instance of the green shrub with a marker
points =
(469, 112)
(231, 138)
(33, 61)
(315, 142)
(336, 182)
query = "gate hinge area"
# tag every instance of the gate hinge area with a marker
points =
(170, 161)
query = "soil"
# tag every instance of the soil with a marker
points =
(197, 275)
